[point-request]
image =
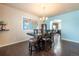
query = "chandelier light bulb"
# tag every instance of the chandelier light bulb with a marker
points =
(46, 18)
(40, 18)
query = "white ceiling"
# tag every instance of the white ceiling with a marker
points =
(45, 9)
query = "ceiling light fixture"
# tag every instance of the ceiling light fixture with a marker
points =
(43, 18)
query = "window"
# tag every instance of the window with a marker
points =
(29, 23)
(26, 23)
(51, 24)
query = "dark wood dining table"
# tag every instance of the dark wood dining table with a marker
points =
(41, 40)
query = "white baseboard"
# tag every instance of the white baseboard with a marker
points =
(70, 40)
(12, 43)
(27, 40)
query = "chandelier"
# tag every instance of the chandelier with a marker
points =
(43, 18)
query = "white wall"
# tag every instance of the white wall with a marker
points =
(0, 13)
(13, 18)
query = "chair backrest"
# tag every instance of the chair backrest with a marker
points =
(35, 33)
(56, 38)
(43, 28)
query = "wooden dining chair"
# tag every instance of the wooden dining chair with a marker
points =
(33, 44)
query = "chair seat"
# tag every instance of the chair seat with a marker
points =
(32, 40)
(32, 45)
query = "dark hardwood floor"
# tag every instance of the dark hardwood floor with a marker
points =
(21, 49)
(70, 48)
